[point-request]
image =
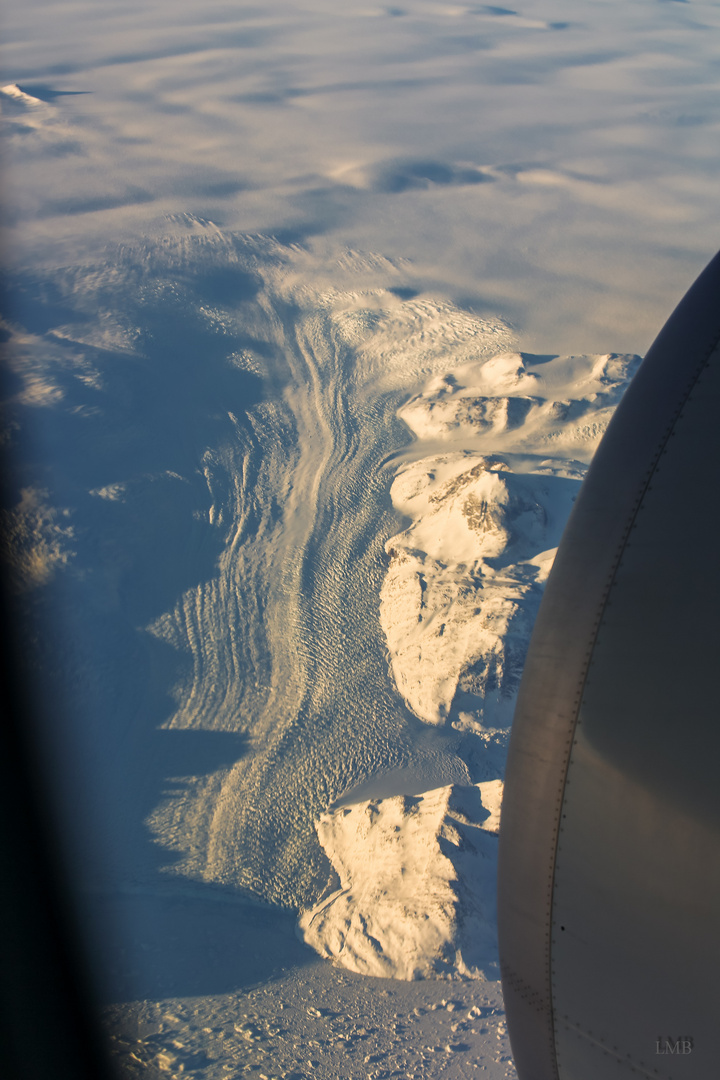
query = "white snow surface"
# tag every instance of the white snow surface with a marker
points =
(14, 92)
(552, 162)
(462, 588)
(415, 895)
(516, 404)
(414, 884)
(239, 239)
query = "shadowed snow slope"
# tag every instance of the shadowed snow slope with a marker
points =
(222, 409)
(214, 518)
(206, 423)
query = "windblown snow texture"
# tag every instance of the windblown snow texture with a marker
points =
(414, 893)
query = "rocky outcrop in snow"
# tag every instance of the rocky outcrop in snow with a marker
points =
(508, 439)
(464, 579)
(414, 892)
(518, 403)
(463, 582)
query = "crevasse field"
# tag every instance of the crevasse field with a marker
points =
(315, 314)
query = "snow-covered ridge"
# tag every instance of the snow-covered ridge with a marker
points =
(415, 878)
(464, 581)
(523, 404)
(414, 894)
(13, 91)
(464, 578)
(34, 125)
(278, 640)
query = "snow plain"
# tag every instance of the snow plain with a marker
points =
(315, 316)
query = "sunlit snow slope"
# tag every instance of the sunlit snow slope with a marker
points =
(285, 639)
(464, 581)
(220, 409)
(296, 527)
(415, 893)
(237, 634)
(416, 876)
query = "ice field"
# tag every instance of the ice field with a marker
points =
(314, 319)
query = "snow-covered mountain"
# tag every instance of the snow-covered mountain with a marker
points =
(464, 580)
(413, 893)
(415, 889)
(237, 241)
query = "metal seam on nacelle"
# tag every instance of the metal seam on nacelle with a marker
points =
(613, 1051)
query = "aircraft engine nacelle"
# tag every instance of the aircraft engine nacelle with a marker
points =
(609, 863)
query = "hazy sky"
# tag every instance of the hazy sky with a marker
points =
(555, 163)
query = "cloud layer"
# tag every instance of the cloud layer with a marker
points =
(379, 126)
